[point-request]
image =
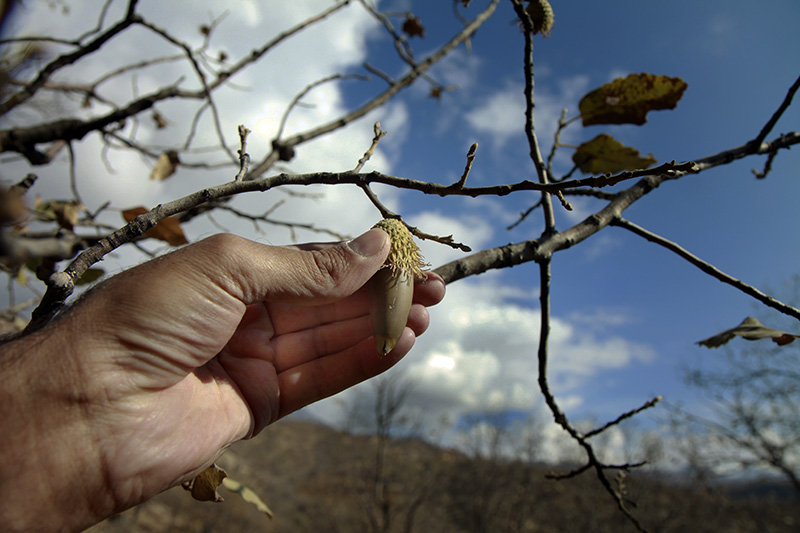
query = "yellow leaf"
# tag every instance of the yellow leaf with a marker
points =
(247, 495)
(204, 486)
(606, 154)
(168, 230)
(628, 100)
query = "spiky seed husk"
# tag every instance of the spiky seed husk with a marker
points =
(391, 289)
(405, 255)
(542, 16)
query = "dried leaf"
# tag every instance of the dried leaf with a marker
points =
(65, 212)
(752, 330)
(606, 154)
(247, 495)
(628, 100)
(413, 26)
(160, 121)
(168, 230)
(165, 166)
(204, 486)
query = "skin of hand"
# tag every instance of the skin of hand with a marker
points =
(147, 379)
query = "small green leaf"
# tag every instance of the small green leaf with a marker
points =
(628, 100)
(606, 154)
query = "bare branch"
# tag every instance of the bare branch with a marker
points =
(708, 268)
(244, 157)
(787, 101)
(468, 166)
(622, 417)
(530, 130)
(378, 135)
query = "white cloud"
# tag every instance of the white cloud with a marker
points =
(501, 116)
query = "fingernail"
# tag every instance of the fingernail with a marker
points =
(368, 244)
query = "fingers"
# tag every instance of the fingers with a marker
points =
(294, 349)
(287, 318)
(288, 275)
(326, 376)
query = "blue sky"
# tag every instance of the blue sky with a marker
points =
(626, 312)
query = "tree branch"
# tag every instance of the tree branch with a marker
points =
(708, 268)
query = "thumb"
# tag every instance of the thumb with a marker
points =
(315, 274)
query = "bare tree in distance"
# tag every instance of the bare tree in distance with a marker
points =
(752, 426)
(384, 413)
(63, 239)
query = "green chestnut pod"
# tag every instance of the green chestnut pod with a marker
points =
(391, 289)
(390, 295)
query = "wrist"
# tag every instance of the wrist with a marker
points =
(50, 474)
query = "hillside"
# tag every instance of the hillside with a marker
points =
(318, 479)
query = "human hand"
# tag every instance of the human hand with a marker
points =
(159, 369)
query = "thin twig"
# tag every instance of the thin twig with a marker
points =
(622, 417)
(468, 166)
(378, 135)
(787, 101)
(524, 215)
(244, 157)
(707, 267)
(556, 139)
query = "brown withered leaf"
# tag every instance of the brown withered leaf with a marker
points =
(168, 230)
(160, 121)
(165, 166)
(752, 330)
(628, 100)
(413, 26)
(65, 212)
(204, 486)
(606, 154)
